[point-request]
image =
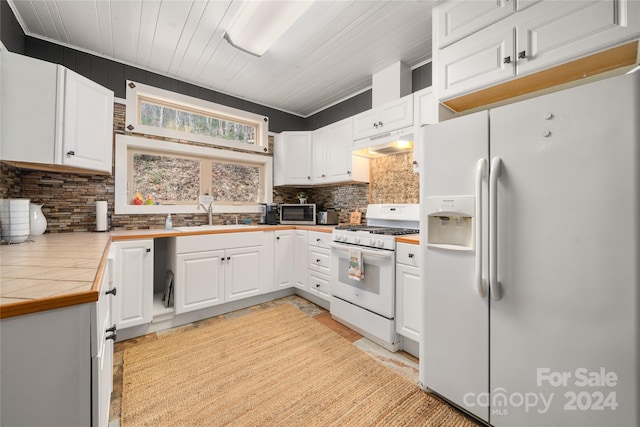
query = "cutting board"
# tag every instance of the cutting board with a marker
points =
(355, 217)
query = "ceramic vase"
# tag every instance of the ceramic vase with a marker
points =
(37, 220)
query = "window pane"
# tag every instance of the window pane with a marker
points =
(235, 182)
(166, 179)
(169, 117)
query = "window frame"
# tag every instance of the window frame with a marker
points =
(136, 142)
(138, 91)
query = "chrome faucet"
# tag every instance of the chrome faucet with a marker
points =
(209, 210)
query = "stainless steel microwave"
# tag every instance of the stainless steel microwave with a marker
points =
(298, 214)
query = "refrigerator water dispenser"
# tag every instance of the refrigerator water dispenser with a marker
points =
(450, 222)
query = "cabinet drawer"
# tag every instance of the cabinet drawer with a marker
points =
(408, 254)
(316, 238)
(319, 259)
(319, 283)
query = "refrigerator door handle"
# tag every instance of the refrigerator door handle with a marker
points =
(494, 285)
(481, 285)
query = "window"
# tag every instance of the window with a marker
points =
(167, 116)
(156, 176)
(154, 111)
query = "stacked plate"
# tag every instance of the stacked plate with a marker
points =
(14, 219)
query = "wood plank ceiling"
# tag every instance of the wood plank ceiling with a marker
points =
(328, 55)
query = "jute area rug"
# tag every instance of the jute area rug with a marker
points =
(273, 367)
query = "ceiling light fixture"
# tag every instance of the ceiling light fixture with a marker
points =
(259, 24)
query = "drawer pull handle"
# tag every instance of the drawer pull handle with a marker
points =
(411, 255)
(148, 250)
(112, 291)
(318, 261)
(71, 153)
(522, 55)
(317, 285)
(111, 329)
(507, 60)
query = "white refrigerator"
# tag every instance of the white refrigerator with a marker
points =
(530, 226)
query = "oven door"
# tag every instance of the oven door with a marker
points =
(376, 292)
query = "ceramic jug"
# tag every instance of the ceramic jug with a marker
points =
(37, 219)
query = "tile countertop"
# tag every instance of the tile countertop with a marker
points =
(51, 271)
(63, 269)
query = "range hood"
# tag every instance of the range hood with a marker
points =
(389, 84)
(394, 142)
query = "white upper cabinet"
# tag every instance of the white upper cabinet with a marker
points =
(385, 118)
(292, 158)
(459, 19)
(323, 156)
(333, 160)
(52, 116)
(545, 34)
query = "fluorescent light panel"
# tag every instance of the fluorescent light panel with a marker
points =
(259, 24)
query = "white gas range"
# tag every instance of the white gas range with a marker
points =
(363, 271)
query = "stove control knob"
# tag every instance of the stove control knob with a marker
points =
(372, 242)
(356, 239)
(379, 243)
(344, 238)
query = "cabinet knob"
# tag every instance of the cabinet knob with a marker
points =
(348, 172)
(323, 175)
(111, 291)
(317, 240)
(228, 258)
(415, 162)
(309, 178)
(507, 60)
(317, 285)
(380, 124)
(111, 337)
(148, 250)
(522, 55)
(411, 255)
(278, 238)
(111, 329)
(71, 153)
(375, 125)
(318, 261)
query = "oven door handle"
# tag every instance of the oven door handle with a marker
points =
(368, 252)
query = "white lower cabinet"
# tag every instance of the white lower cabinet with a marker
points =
(244, 269)
(133, 304)
(284, 253)
(300, 257)
(56, 365)
(318, 261)
(212, 269)
(201, 279)
(408, 291)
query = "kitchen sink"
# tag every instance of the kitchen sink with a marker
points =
(215, 227)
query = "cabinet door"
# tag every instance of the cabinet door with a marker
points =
(28, 109)
(243, 272)
(319, 141)
(199, 281)
(292, 158)
(397, 114)
(300, 259)
(133, 303)
(556, 32)
(284, 258)
(408, 297)
(459, 19)
(475, 62)
(88, 124)
(365, 124)
(339, 147)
